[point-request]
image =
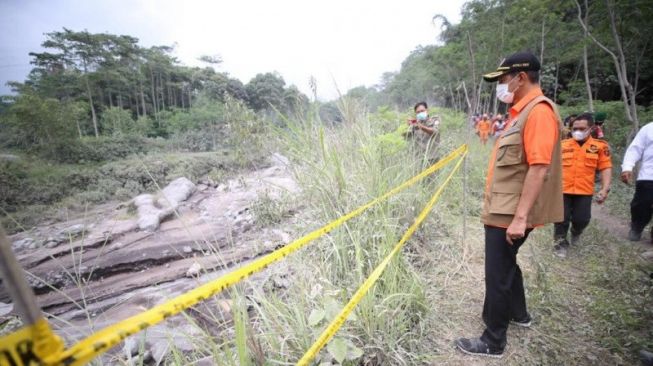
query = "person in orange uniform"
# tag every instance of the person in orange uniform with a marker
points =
(582, 157)
(523, 191)
(483, 129)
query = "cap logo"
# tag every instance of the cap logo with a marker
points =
(525, 64)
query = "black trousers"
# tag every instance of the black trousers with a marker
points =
(641, 207)
(504, 286)
(578, 212)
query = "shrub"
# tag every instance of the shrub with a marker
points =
(117, 121)
(27, 183)
(90, 149)
(196, 141)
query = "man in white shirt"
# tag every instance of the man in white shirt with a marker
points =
(641, 207)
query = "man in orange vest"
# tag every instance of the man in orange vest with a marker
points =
(582, 157)
(523, 191)
(483, 129)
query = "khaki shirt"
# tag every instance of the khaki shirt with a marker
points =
(426, 143)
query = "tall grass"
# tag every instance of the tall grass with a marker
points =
(340, 168)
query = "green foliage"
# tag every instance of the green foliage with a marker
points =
(265, 91)
(27, 183)
(118, 122)
(104, 84)
(448, 73)
(246, 131)
(35, 121)
(206, 114)
(97, 150)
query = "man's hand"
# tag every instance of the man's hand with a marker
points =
(516, 230)
(411, 121)
(602, 195)
(627, 177)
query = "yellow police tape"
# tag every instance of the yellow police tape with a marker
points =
(29, 344)
(98, 343)
(339, 320)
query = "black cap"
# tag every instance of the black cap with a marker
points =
(520, 61)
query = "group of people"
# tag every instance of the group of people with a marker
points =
(488, 125)
(540, 172)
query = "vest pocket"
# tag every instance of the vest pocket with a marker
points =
(510, 151)
(504, 203)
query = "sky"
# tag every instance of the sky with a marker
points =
(343, 43)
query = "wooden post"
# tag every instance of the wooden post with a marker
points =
(14, 281)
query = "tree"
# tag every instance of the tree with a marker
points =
(618, 56)
(265, 91)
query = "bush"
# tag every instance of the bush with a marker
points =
(196, 141)
(28, 183)
(205, 114)
(90, 149)
(117, 121)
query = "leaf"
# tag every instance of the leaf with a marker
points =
(338, 349)
(332, 308)
(353, 352)
(316, 316)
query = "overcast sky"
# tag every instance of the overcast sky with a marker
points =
(350, 41)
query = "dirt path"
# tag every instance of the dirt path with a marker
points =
(590, 308)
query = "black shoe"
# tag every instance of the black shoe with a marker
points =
(476, 347)
(634, 235)
(646, 357)
(560, 249)
(575, 239)
(526, 322)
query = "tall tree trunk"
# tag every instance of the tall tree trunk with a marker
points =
(542, 45)
(154, 102)
(474, 102)
(120, 101)
(453, 97)
(138, 111)
(555, 84)
(162, 93)
(637, 64)
(590, 100)
(630, 93)
(170, 103)
(469, 104)
(144, 111)
(619, 60)
(90, 102)
(79, 128)
(110, 101)
(588, 86)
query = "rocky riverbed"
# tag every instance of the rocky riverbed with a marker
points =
(118, 259)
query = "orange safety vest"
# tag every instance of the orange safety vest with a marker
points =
(580, 163)
(483, 126)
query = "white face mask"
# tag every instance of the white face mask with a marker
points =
(503, 94)
(580, 135)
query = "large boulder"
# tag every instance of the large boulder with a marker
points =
(177, 191)
(151, 211)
